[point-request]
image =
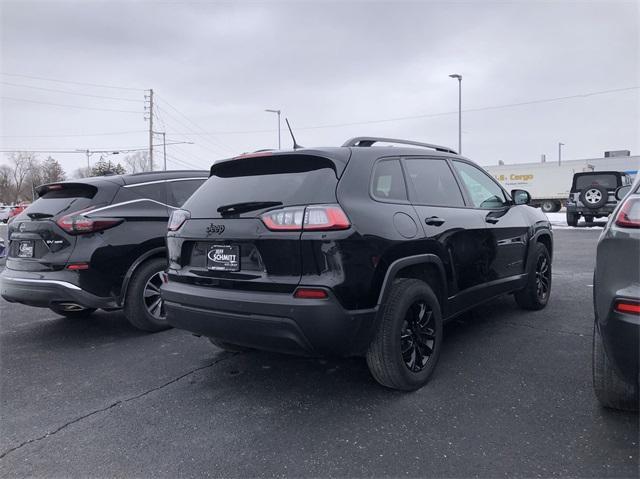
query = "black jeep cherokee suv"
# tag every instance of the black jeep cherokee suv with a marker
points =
(593, 194)
(357, 250)
(97, 243)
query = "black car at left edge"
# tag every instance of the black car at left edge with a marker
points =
(97, 243)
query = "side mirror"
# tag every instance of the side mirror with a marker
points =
(520, 197)
(622, 192)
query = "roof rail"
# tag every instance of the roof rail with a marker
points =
(370, 140)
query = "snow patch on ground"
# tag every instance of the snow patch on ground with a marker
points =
(559, 221)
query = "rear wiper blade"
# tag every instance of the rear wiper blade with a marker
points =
(38, 216)
(237, 208)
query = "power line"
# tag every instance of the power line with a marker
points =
(71, 82)
(186, 135)
(182, 162)
(102, 150)
(115, 133)
(70, 92)
(189, 154)
(191, 131)
(68, 106)
(429, 115)
(221, 144)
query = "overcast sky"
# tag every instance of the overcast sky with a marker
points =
(220, 64)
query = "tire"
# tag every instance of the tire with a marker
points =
(572, 218)
(535, 295)
(548, 206)
(611, 391)
(140, 300)
(232, 348)
(594, 197)
(82, 313)
(414, 300)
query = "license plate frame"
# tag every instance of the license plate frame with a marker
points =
(26, 248)
(223, 258)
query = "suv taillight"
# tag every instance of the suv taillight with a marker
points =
(307, 218)
(76, 223)
(629, 213)
(177, 219)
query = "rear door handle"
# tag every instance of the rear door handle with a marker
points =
(434, 221)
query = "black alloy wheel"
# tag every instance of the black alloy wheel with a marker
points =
(152, 299)
(543, 278)
(405, 350)
(537, 291)
(418, 336)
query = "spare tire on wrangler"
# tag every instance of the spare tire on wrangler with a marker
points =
(594, 196)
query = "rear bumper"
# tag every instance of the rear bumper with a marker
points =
(621, 337)
(45, 290)
(583, 210)
(269, 321)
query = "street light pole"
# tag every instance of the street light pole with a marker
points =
(459, 78)
(560, 145)
(278, 113)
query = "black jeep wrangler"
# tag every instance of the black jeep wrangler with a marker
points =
(593, 195)
(357, 250)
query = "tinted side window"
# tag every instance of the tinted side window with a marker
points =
(388, 181)
(433, 183)
(180, 191)
(156, 192)
(485, 193)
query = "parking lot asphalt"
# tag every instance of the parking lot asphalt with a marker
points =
(511, 396)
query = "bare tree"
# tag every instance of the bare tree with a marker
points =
(82, 172)
(22, 166)
(137, 162)
(7, 194)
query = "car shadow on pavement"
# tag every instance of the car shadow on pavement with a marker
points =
(262, 370)
(64, 333)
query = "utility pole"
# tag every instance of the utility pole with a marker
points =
(164, 148)
(150, 97)
(560, 145)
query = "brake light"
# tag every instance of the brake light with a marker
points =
(310, 218)
(255, 154)
(310, 293)
(627, 307)
(177, 219)
(629, 214)
(76, 223)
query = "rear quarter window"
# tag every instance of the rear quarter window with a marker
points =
(388, 181)
(156, 192)
(181, 190)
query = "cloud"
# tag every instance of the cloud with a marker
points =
(222, 64)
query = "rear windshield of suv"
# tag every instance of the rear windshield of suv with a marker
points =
(607, 181)
(68, 200)
(290, 180)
